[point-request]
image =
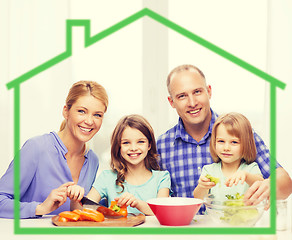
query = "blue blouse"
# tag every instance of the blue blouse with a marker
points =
(43, 167)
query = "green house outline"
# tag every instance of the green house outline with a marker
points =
(89, 40)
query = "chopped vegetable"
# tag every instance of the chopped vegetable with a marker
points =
(235, 214)
(108, 212)
(213, 179)
(77, 211)
(116, 208)
(63, 219)
(81, 215)
(71, 216)
(237, 196)
(121, 210)
(238, 200)
(91, 210)
(91, 215)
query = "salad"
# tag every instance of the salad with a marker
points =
(235, 213)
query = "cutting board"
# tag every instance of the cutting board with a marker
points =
(130, 221)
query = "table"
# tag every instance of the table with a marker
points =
(151, 221)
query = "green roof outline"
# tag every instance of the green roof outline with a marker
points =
(90, 40)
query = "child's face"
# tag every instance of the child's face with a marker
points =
(228, 147)
(134, 146)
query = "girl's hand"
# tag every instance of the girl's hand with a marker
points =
(235, 178)
(203, 187)
(75, 192)
(127, 199)
(56, 198)
(205, 183)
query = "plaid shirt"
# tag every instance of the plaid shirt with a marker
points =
(184, 157)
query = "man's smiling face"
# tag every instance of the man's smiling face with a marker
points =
(190, 96)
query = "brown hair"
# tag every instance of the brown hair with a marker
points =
(83, 88)
(185, 67)
(240, 127)
(118, 163)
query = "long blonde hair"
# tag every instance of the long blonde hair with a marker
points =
(240, 127)
(83, 88)
(118, 163)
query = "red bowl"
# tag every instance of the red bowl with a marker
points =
(175, 211)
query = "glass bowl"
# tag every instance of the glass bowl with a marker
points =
(233, 213)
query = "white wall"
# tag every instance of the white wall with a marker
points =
(33, 32)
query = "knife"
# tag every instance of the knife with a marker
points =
(107, 212)
(87, 203)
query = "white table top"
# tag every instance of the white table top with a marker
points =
(151, 221)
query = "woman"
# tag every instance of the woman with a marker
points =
(52, 164)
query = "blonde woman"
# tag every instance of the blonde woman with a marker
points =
(52, 164)
(233, 151)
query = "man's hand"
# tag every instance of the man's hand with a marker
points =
(259, 191)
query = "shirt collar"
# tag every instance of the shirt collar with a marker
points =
(60, 143)
(181, 133)
(62, 146)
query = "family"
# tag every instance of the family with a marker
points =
(58, 169)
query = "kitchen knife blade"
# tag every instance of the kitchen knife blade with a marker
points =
(87, 203)
(108, 213)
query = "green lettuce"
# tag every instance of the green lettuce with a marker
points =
(235, 214)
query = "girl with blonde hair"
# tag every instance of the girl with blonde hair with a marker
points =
(233, 151)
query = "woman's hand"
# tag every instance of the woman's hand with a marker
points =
(56, 198)
(75, 192)
(235, 178)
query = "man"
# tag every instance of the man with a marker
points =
(184, 149)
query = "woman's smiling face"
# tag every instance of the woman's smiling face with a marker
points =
(134, 146)
(84, 118)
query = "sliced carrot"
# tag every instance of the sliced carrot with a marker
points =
(70, 215)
